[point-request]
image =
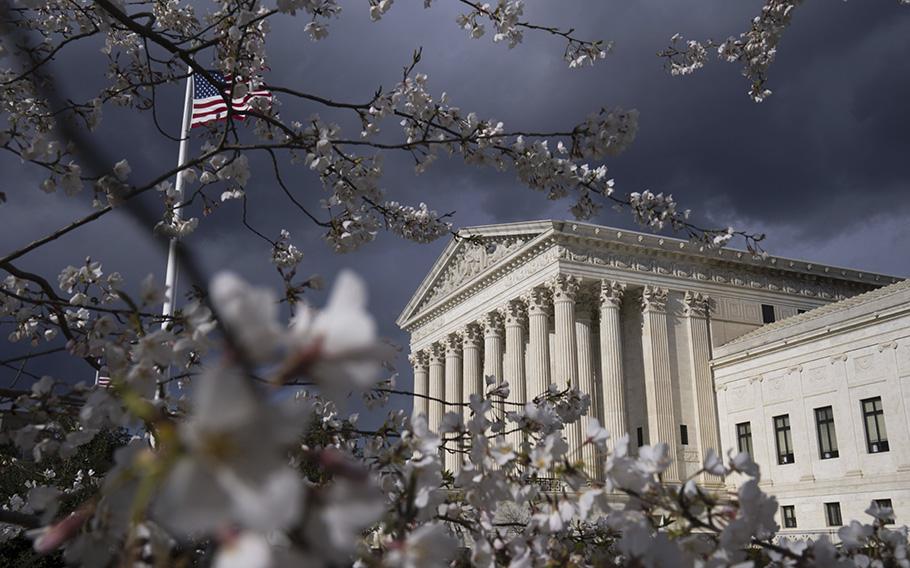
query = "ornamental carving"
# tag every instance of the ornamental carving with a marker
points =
(746, 276)
(472, 335)
(436, 354)
(654, 298)
(419, 359)
(584, 303)
(537, 301)
(512, 313)
(470, 261)
(453, 344)
(564, 287)
(492, 324)
(611, 293)
(696, 304)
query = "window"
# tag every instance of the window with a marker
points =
(788, 513)
(744, 437)
(827, 439)
(800, 311)
(784, 443)
(886, 504)
(683, 435)
(767, 313)
(874, 419)
(641, 436)
(832, 514)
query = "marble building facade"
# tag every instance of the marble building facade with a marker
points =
(633, 319)
(821, 402)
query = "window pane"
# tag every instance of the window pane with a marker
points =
(880, 425)
(827, 439)
(886, 504)
(832, 514)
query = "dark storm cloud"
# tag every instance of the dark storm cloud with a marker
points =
(821, 166)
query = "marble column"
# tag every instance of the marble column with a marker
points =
(613, 401)
(586, 378)
(453, 390)
(513, 316)
(697, 306)
(473, 369)
(492, 351)
(538, 304)
(436, 360)
(419, 361)
(564, 288)
(658, 378)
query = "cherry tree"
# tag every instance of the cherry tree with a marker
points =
(242, 454)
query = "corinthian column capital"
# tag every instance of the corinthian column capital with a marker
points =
(472, 335)
(564, 287)
(611, 293)
(492, 324)
(654, 298)
(419, 359)
(537, 301)
(453, 343)
(696, 304)
(512, 313)
(436, 353)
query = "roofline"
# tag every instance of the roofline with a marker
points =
(653, 241)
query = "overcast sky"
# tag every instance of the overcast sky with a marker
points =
(822, 166)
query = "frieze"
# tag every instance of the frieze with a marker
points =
(744, 277)
(474, 259)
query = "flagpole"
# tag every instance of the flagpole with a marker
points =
(170, 279)
(170, 275)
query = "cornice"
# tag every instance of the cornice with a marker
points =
(596, 241)
(826, 332)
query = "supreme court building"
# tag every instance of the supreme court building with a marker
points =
(633, 319)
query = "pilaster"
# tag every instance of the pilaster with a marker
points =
(696, 311)
(658, 377)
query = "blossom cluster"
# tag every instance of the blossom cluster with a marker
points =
(256, 456)
(754, 49)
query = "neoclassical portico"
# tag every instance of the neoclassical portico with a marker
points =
(628, 318)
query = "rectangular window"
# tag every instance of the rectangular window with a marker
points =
(788, 512)
(767, 313)
(800, 311)
(832, 514)
(827, 438)
(886, 504)
(683, 435)
(641, 436)
(744, 437)
(784, 442)
(874, 420)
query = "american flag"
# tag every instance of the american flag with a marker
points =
(208, 104)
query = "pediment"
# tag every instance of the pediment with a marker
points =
(466, 259)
